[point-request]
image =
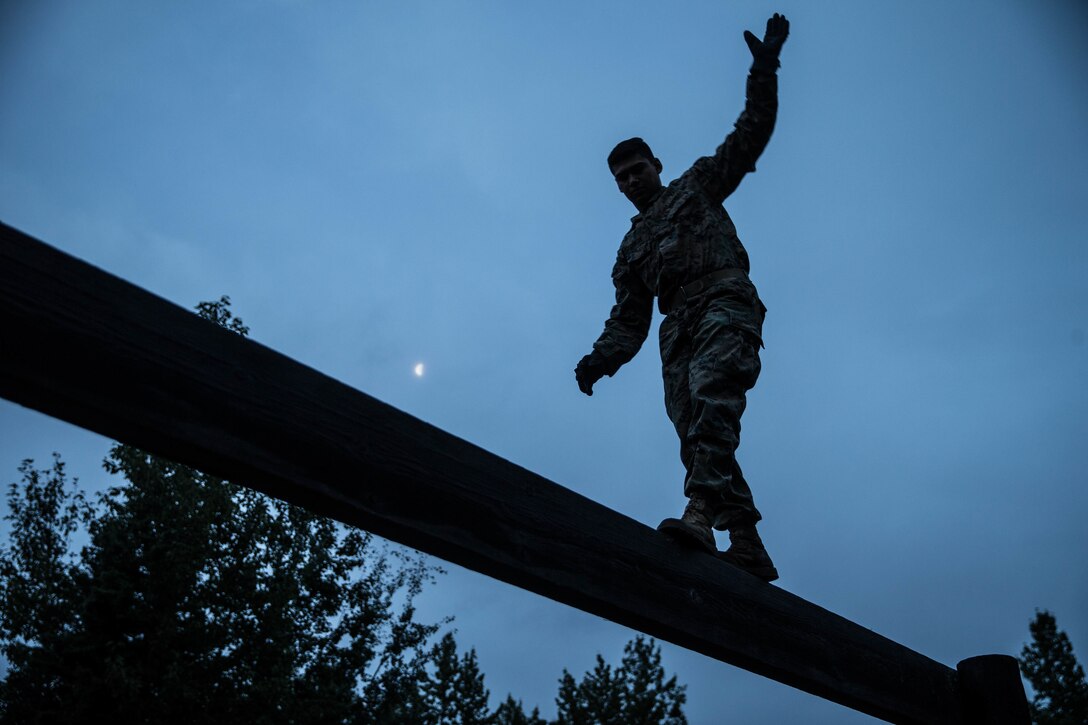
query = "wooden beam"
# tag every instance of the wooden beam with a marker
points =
(84, 346)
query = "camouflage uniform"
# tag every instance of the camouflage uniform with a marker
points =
(710, 340)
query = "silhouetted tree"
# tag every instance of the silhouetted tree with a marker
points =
(511, 712)
(198, 600)
(453, 686)
(1061, 692)
(179, 597)
(635, 693)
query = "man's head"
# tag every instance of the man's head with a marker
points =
(636, 170)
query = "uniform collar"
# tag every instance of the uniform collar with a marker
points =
(657, 197)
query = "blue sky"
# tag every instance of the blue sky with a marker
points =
(379, 184)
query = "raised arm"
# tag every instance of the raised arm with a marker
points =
(721, 173)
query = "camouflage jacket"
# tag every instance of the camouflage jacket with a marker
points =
(686, 234)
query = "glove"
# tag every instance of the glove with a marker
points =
(765, 52)
(590, 369)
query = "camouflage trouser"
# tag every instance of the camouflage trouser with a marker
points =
(708, 366)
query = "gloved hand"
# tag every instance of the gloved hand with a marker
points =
(590, 369)
(765, 52)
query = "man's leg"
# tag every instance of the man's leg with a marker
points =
(675, 361)
(693, 528)
(724, 367)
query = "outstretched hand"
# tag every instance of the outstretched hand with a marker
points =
(767, 50)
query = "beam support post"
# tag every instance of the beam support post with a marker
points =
(991, 691)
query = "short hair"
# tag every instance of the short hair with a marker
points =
(626, 149)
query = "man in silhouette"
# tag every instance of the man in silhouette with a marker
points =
(683, 249)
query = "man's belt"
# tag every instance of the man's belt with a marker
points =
(694, 289)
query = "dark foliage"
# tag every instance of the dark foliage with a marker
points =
(178, 597)
(198, 600)
(635, 693)
(1061, 692)
(511, 712)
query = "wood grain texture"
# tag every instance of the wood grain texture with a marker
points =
(84, 346)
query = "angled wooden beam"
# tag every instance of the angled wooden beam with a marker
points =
(84, 346)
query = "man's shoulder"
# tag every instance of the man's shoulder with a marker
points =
(687, 182)
(697, 175)
(678, 194)
(677, 190)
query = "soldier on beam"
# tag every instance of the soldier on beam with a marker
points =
(683, 249)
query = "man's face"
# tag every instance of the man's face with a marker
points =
(639, 178)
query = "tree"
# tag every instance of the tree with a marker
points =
(1061, 692)
(635, 693)
(196, 600)
(453, 686)
(38, 584)
(511, 712)
(178, 597)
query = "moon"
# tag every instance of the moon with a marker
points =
(418, 370)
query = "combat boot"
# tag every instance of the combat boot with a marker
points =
(746, 552)
(693, 526)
